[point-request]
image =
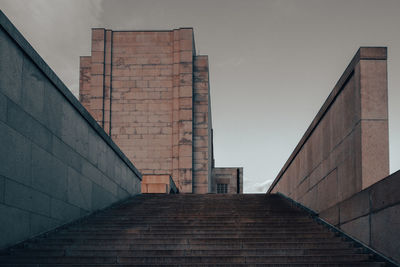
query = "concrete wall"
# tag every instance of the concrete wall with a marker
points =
(56, 162)
(372, 216)
(202, 158)
(145, 89)
(345, 149)
(233, 177)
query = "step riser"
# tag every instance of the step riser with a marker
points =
(189, 259)
(192, 230)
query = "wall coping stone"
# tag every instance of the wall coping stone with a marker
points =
(12, 31)
(363, 53)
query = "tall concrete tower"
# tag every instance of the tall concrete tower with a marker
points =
(150, 92)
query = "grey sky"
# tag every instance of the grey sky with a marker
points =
(272, 62)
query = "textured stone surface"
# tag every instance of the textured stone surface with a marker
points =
(385, 193)
(26, 198)
(16, 155)
(354, 207)
(358, 228)
(45, 180)
(385, 234)
(150, 93)
(11, 59)
(230, 176)
(346, 147)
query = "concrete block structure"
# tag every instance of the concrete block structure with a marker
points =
(56, 164)
(346, 147)
(340, 168)
(150, 92)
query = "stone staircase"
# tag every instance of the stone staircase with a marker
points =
(192, 230)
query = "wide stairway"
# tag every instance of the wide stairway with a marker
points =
(192, 230)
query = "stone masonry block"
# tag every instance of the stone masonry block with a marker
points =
(16, 221)
(110, 185)
(49, 174)
(11, 59)
(26, 198)
(16, 155)
(347, 181)
(358, 228)
(3, 108)
(327, 191)
(185, 91)
(74, 130)
(2, 187)
(375, 151)
(64, 211)
(40, 224)
(28, 126)
(66, 154)
(185, 34)
(186, 56)
(374, 98)
(79, 190)
(53, 110)
(386, 192)
(354, 207)
(385, 234)
(101, 198)
(33, 81)
(331, 215)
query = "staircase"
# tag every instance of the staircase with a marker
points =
(192, 230)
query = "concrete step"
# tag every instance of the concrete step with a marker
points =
(177, 246)
(183, 252)
(189, 259)
(192, 230)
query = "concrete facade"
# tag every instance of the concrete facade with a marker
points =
(232, 177)
(158, 183)
(346, 147)
(150, 92)
(372, 216)
(55, 159)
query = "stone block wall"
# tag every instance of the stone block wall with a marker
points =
(233, 177)
(150, 93)
(202, 128)
(57, 163)
(345, 149)
(372, 216)
(158, 183)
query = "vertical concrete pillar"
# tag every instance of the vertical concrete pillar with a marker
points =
(183, 108)
(371, 89)
(201, 127)
(97, 82)
(107, 82)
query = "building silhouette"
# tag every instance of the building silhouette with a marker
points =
(150, 92)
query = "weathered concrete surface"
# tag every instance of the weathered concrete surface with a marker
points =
(372, 216)
(138, 85)
(150, 92)
(231, 176)
(158, 183)
(57, 164)
(346, 147)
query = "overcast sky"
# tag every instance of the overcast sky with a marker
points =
(272, 62)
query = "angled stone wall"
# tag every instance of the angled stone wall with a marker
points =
(372, 216)
(346, 147)
(57, 163)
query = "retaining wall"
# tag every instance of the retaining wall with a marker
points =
(56, 163)
(346, 148)
(372, 216)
